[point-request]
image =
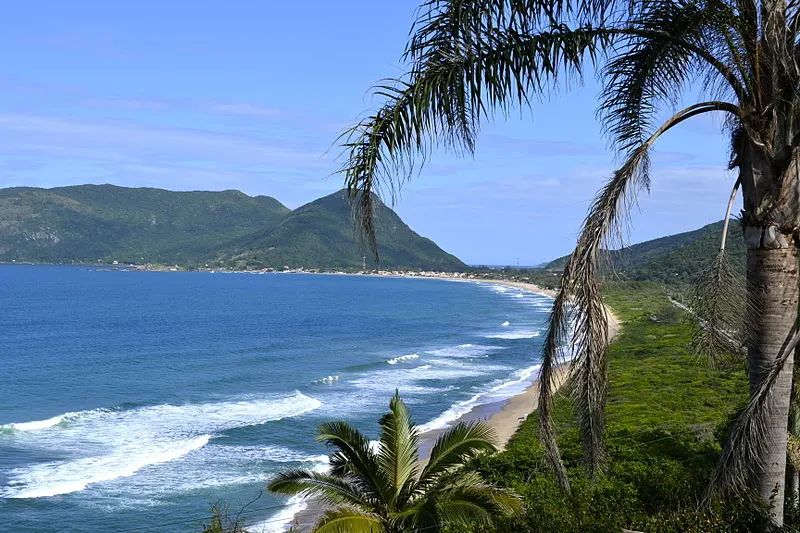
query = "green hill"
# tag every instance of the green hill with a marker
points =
(676, 258)
(322, 234)
(87, 223)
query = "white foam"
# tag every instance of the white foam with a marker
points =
(464, 350)
(279, 454)
(327, 380)
(215, 465)
(36, 425)
(283, 519)
(515, 335)
(52, 479)
(103, 445)
(506, 323)
(403, 358)
(518, 381)
(519, 295)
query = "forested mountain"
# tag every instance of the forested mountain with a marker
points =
(87, 223)
(321, 234)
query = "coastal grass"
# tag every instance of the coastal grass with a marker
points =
(668, 414)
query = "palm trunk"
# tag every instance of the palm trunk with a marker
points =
(772, 282)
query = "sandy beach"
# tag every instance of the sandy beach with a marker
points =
(504, 416)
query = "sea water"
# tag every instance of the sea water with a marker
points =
(134, 401)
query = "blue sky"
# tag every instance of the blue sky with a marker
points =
(251, 95)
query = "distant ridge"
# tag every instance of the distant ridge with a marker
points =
(679, 258)
(87, 223)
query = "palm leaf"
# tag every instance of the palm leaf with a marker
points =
(456, 446)
(666, 50)
(345, 520)
(465, 497)
(355, 458)
(398, 455)
(720, 304)
(333, 489)
(442, 100)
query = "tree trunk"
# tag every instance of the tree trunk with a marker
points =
(772, 284)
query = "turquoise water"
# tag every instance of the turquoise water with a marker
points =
(132, 401)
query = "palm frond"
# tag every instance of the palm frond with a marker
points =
(336, 490)
(555, 341)
(344, 520)
(441, 22)
(670, 44)
(721, 307)
(744, 448)
(354, 457)
(467, 499)
(455, 447)
(442, 101)
(398, 455)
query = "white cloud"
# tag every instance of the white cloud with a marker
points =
(119, 140)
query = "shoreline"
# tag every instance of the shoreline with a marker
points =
(503, 416)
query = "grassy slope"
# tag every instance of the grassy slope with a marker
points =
(666, 414)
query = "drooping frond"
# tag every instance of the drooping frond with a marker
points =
(442, 101)
(398, 455)
(588, 319)
(555, 341)
(721, 305)
(741, 456)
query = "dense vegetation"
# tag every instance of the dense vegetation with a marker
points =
(87, 223)
(668, 414)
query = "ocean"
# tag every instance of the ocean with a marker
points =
(134, 401)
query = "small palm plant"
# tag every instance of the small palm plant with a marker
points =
(386, 489)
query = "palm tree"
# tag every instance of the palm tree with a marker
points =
(469, 58)
(386, 489)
